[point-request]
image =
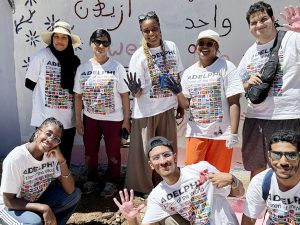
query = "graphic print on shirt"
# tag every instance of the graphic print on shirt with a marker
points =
(160, 69)
(284, 210)
(98, 88)
(257, 62)
(190, 201)
(206, 97)
(36, 180)
(55, 96)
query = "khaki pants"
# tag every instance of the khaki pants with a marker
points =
(139, 174)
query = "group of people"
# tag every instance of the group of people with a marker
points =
(196, 194)
(93, 98)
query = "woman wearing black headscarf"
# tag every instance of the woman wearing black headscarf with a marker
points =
(50, 76)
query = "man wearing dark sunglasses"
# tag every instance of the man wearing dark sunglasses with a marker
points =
(194, 194)
(283, 201)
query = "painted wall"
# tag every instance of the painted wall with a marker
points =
(9, 117)
(181, 21)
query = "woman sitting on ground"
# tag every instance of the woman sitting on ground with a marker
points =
(29, 188)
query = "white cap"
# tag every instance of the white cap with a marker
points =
(209, 34)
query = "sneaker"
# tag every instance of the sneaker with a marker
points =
(109, 190)
(89, 187)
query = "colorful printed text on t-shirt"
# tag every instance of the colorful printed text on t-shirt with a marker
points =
(206, 97)
(160, 69)
(98, 91)
(254, 68)
(36, 180)
(190, 201)
(283, 210)
(55, 96)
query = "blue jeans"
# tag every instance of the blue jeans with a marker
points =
(61, 203)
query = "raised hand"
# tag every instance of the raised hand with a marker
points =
(173, 85)
(127, 208)
(292, 16)
(133, 84)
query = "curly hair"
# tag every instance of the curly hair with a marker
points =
(285, 136)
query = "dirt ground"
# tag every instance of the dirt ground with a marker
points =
(94, 209)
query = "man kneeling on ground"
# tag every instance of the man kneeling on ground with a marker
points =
(194, 194)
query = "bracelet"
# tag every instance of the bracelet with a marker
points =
(63, 162)
(66, 176)
(235, 182)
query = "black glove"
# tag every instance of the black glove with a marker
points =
(132, 84)
(173, 85)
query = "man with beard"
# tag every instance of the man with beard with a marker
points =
(194, 194)
(283, 201)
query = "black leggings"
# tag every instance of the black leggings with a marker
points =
(67, 142)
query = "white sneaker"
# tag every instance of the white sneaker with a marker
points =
(109, 190)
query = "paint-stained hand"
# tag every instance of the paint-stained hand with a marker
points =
(179, 113)
(173, 85)
(126, 207)
(292, 16)
(133, 84)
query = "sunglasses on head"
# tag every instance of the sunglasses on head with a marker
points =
(98, 42)
(207, 44)
(150, 14)
(288, 155)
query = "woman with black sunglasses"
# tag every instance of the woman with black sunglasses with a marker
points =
(29, 188)
(153, 104)
(100, 88)
(211, 91)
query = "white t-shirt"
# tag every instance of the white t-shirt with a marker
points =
(49, 99)
(100, 86)
(193, 197)
(283, 101)
(283, 207)
(25, 176)
(208, 88)
(154, 99)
